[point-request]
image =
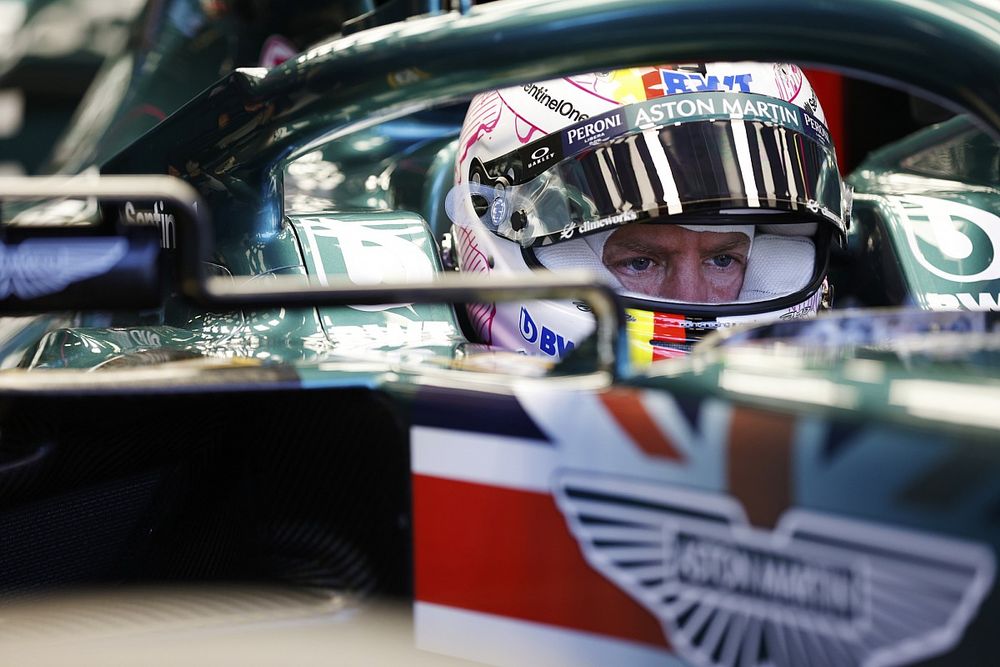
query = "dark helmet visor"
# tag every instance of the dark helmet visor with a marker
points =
(631, 165)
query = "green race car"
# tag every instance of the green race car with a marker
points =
(248, 358)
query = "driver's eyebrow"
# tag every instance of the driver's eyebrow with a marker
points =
(726, 246)
(641, 246)
(633, 244)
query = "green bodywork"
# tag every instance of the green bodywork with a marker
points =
(380, 125)
(335, 165)
(314, 244)
(926, 218)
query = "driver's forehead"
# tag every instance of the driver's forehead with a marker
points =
(667, 238)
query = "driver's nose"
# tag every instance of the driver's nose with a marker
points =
(683, 281)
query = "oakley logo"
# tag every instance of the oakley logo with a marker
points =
(541, 155)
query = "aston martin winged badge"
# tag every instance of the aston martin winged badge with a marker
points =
(38, 267)
(815, 590)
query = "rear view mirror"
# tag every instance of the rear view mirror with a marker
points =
(48, 263)
(117, 264)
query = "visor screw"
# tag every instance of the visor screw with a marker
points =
(518, 220)
(480, 205)
(826, 301)
(448, 258)
(490, 261)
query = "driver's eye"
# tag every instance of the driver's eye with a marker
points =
(723, 261)
(639, 263)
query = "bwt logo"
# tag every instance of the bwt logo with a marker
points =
(545, 339)
(982, 301)
(679, 82)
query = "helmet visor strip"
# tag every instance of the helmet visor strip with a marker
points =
(655, 158)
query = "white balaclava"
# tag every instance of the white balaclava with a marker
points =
(782, 255)
(587, 252)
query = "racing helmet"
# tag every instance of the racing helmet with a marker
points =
(708, 195)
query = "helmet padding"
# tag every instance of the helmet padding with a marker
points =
(781, 261)
(781, 265)
(579, 253)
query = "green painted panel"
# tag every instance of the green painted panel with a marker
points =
(369, 248)
(937, 196)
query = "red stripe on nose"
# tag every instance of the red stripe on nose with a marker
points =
(629, 412)
(760, 463)
(510, 553)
